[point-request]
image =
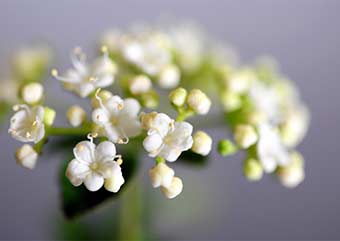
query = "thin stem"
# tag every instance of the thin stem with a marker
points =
(69, 131)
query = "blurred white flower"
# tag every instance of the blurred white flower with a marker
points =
(168, 139)
(27, 123)
(26, 156)
(199, 102)
(270, 149)
(161, 175)
(83, 79)
(119, 118)
(32, 93)
(93, 164)
(76, 115)
(174, 189)
(292, 175)
(169, 77)
(8, 91)
(245, 135)
(140, 84)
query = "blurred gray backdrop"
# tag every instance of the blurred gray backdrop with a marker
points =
(218, 203)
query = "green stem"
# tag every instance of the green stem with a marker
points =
(185, 114)
(68, 131)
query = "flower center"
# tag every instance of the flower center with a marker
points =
(94, 166)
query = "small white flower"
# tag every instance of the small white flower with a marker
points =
(174, 189)
(140, 84)
(240, 81)
(168, 139)
(76, 115)
(271, 152)
(199, 102)
(32, 93)
(202, 143)
(161, 175)
(26, 156)
(169, 77)
(245, 135)
(93, 164)
(83, 79)
(292, 175)
(27, 124)
(118, 118)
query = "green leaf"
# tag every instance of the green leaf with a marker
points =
(78, 200)
(191, 158)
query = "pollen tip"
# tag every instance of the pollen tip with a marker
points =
(54, 72)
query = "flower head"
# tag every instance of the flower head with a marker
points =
(83, 79)
(93, 164)
(118, 118)
(161, 175)
(167, 138)
(27, 124)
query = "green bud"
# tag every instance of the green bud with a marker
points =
(226, 147)
(178, 96)
(252, 170)
(49, 116)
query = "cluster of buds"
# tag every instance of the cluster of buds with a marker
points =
(267, 118)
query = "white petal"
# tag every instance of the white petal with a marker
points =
(93, 182)
(152, 143)
(131, 107)
(114, 104)
(100, 116)
(169, 153)
(104, 80)
(40, 133)
(76, 172)
(161, 124)
(110, 168)
(269, 164)
(130, 126)
(105, 151)
(84, 89)
(111, 132)
(84, 151)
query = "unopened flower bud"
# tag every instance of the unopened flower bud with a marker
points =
(140, 84)
(150, 99)
(76, 115)
(174, 189)
(230, 100)
(178, 96)
(103, 95)
(202, 143)
(199, 102)
(169, 77)
(226, 147)
(240, 81)
(114, 183)
(292, 175)
(32, 93)
(245, 136)
(49, 116)
(26, 156)
(161, 175)
(252, 170)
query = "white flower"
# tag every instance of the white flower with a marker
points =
(93, 164)
(202, 143)
(83, 79)
(199, 102)
(239, 82)
(169, 77)
(174, 189)
(32, 93)
(26, 156)
(27, 124)
(292, 175)
(161, 175)
(118, 118)
(166, 138)
(140, 84)
(270, 150)
(245, 135)
(76, 115)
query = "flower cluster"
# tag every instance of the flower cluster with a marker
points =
(124, 87)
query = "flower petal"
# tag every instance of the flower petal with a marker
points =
(169, 153)
(93, 182)
(100, 116)
(152, 143)
(76, 172)
(111, 132)
(105, 151)
(131, 107)
(84, 151)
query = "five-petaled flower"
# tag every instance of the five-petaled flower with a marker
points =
(27, 124)
(93, 165)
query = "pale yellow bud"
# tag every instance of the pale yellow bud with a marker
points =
(26, 156)
(161, 175)
(49, 116)
(169, 77)
(202, 143)
(252, 170)
(140, 84)
(199, 102)
(292, 175)
(174, 189)
(178, 96)
(76, 115)
(230, 100)
(32, 93)
(245, 135)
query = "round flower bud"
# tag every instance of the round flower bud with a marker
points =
(230, 100)
(245, 136)
(26, 156)
(49, 116)
(292, 175)
(114, 183)
(240, 81)
(161, 175)
(76, 115)
(202, 143)
(199, 101)
(140, 84)
(150, 99)
(174, 189)
(169, 77)
(226, 147)
(104, 95)
(252, 170)
(178, 96)
(32, 93)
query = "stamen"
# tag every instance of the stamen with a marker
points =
(90, 136)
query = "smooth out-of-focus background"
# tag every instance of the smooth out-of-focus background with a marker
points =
(217, 202)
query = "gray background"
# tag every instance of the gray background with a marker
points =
(217, 203)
